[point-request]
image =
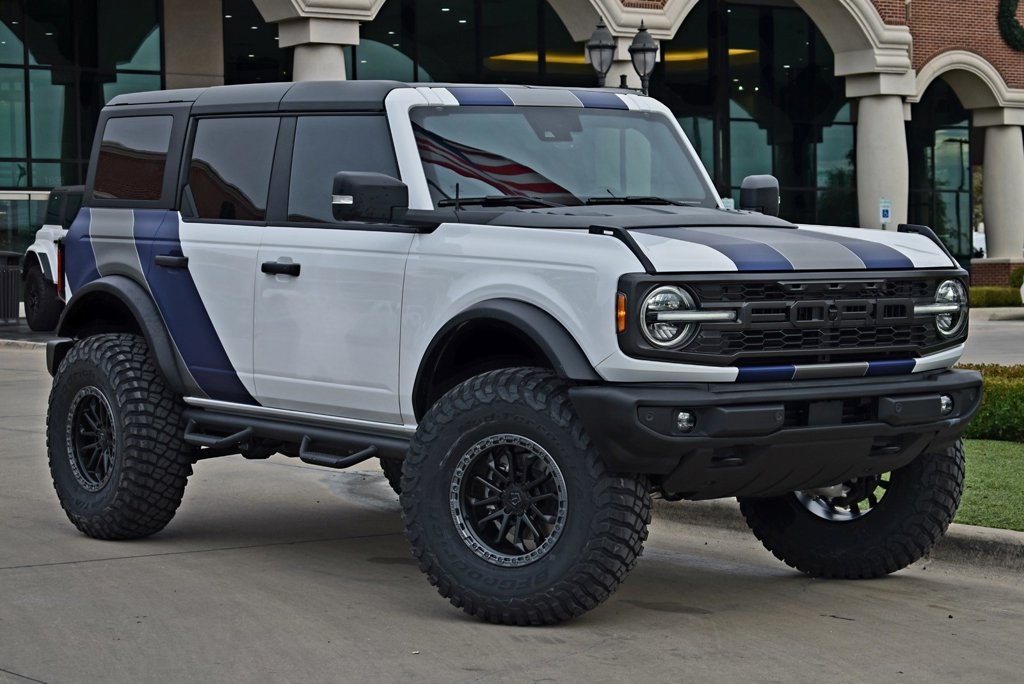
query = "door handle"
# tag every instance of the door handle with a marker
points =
(281, 268)
(171, 261)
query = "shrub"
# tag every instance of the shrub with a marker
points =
(1017, 277)
(1001, 415)
(982, 297)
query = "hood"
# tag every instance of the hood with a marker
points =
(695, 240)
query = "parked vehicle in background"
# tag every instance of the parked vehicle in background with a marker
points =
(40, 269)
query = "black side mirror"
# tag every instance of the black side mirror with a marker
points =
(367, 196)
(760, 193)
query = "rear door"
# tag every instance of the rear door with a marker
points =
(329, 294)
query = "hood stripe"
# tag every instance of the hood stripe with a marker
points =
(875, 256)
(748, 255)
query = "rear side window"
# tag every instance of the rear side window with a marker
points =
(229, 173)
(133, 156)
(325, 145)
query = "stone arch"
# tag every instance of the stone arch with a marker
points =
(862, 42)
(975, 81)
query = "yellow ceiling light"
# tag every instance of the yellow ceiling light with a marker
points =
(550, 58)
(701, 55)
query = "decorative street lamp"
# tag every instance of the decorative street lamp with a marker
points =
(601, 50)
(644, 53)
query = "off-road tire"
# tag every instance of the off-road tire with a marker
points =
(914, 514)
(42, 307)
(392, 468)
(150, 461)
(606, 514)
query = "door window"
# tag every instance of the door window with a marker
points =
(325, 145)
(229, 173)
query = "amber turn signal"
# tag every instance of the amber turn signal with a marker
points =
(620, 313)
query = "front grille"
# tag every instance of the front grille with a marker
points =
(819, 321)
(799, 319)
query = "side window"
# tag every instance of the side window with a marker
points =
(229, 173)
(325, 145)
(133, 156)
(71, 208)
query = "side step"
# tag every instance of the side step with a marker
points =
(221, 434)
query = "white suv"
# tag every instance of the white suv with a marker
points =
(529, 303)
(41, 268)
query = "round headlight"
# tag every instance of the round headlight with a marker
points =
(951, 292)
(657, 327)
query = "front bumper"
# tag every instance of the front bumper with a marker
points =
(767, 439)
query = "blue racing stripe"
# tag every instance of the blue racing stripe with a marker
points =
(79, 260)
(765, 373)
(879, 368)
(183, 310)
(596, 100)
(481, 96)
(748, 255)
(875, 256)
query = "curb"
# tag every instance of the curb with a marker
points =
(1012, 316)
(21, 344)
(962, 545)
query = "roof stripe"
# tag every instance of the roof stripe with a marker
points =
(596, 100)
(481, 96)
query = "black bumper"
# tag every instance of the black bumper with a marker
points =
(768, 439)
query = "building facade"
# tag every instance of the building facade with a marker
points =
(855, 105)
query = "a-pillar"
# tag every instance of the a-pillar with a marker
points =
(319, 46)
(883, 170)
(1004, 193)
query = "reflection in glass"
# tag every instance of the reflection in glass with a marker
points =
(51, 39)
(132, 157)
(11, 26)
(53, 126)
(229, 174)
(14, 174)
(12, 113)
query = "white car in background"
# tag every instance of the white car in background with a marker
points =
(41, 268)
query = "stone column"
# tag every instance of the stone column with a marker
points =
(193, 44)
(1004, 192)
(883, 170)
(318, 46)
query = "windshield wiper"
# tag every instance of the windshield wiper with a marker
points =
(639, 199)
(497, 201)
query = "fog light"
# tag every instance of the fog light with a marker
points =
(946, 404)
(685, 421)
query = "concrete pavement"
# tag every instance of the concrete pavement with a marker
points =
(275, 571)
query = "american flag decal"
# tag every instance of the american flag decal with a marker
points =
(505, 175)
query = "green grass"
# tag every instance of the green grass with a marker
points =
(994, 491)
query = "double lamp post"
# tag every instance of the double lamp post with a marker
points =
(643, 52)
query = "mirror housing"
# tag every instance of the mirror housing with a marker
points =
(760, 193)
(367, 196)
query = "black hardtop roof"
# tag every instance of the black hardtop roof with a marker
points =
(293, 96)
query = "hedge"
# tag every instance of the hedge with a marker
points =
(1001, 415)
(982, 297)
(1017, 277)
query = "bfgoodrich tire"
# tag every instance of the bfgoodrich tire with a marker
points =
(42, 307)
(114, 438)
(877, 527)
(509, 509)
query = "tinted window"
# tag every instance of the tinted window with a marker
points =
(71, 208)
(53, 209)
(133, 154)
(325, 145)
(229, 174)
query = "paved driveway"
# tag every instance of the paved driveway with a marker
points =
(277, 572)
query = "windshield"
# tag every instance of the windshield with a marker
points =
(557, 154)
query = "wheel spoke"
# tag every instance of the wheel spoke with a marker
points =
(537, 537)
(884, 484)
(872, 499)
(538, 481)
(487, 484)
(493, 516)
(484, 502)
(548, 519)
(543, 497)
(503, 528)
(517, 533)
